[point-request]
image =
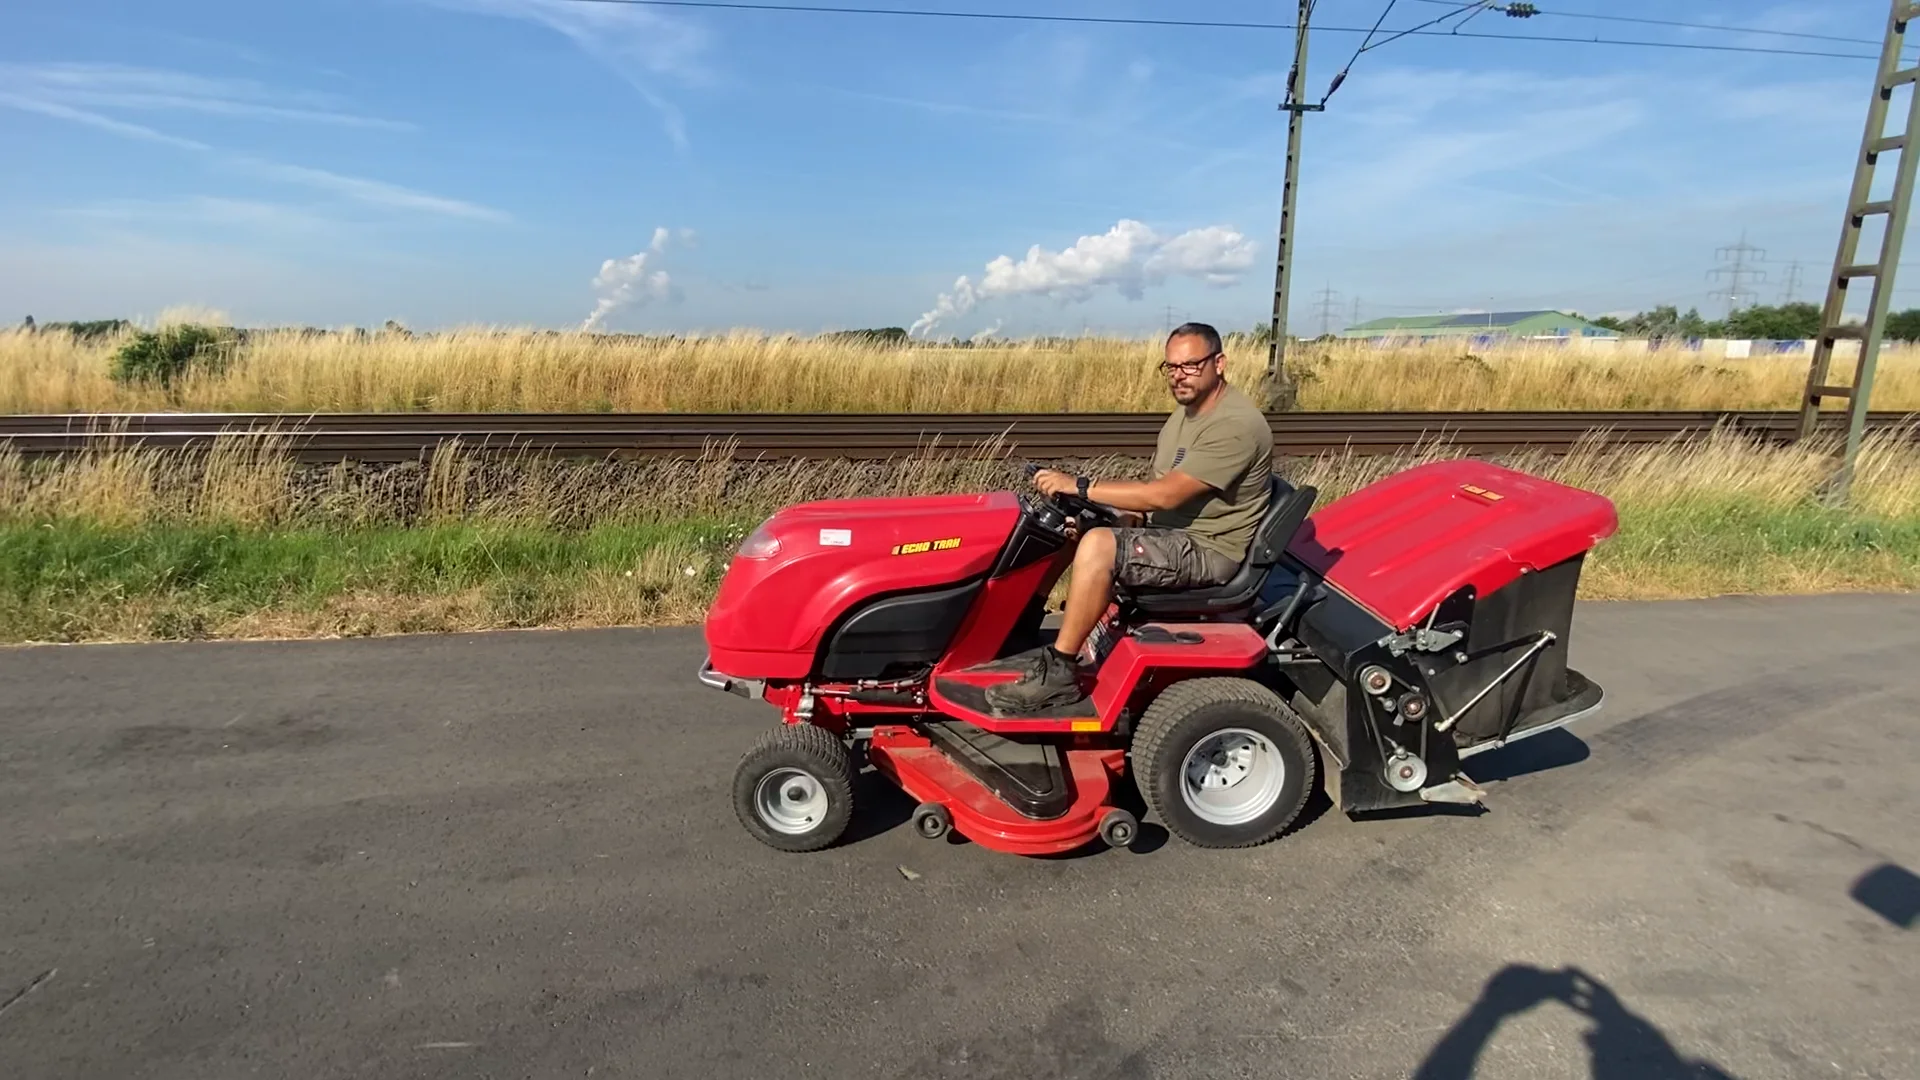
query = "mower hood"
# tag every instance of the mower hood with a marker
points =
(1403, 544)
(807, 565)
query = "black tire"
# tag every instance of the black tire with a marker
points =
(931, 821)
(1186, 713)
(1119, 829)
(791, 751)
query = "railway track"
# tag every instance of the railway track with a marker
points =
(326, 437)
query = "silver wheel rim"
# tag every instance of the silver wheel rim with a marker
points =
(790, 801)
(1232, 776)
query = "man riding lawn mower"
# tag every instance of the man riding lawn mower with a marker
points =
(1219, 648)
(1212, 471)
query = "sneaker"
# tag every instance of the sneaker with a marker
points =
(1051, 682)
(1022, 661)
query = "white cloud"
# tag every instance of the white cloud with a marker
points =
(374, 192)
(1214, 253)
(103, 123)
(1827, 102)
(1128, 258)
(203, 214)
(634, 281)
(637, 43)
(78, 81)
(1416, 156)
(116, 86)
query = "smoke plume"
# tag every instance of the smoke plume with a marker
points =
(634, 281)
(1128, 258)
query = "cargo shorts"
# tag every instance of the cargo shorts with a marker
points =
(1167, 559)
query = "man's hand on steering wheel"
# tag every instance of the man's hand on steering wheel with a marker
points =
(1064, 491)
(1053, 482)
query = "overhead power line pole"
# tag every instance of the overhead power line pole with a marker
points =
(1740, 255)
(1328, 309)
(1846, 267)
(1792, 289)
(1281, 393)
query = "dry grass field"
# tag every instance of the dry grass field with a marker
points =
(129, 545)
(126, 544)
(526, 371)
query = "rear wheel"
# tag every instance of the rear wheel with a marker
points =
(1223, 762)
(794, 789)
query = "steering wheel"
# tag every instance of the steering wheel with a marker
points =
(1071, 505)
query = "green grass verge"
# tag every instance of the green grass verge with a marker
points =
(75, 581)
(1709, 547)
(70, 581)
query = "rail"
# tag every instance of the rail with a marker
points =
(327, 437)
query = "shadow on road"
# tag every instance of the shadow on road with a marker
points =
(1543, 752)
(1891, 892)
(879, 807)
(1152, 836)
(1622, 1045)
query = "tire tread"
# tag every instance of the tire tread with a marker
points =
(822, 749)
(1181, 700)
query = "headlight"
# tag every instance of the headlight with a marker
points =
(760, 544)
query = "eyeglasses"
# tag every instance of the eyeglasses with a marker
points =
(1190, 367)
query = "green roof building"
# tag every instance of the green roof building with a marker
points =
(1514, 324)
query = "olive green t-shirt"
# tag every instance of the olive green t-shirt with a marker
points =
(1230, 449)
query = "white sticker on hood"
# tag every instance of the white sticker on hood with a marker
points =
(836, 537)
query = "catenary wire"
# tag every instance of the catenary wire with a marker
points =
(1367, 44)
(1341, 76)
(1214, 24)
(1675, 23)
(1427, 27)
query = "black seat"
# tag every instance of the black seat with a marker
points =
(1287, 509)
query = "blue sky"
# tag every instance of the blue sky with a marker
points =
(534, 162)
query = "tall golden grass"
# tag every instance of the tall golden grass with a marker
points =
(528, 371)
(257, 483)
(1699, 517)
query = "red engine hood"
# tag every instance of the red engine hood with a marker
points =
(770, 613)
(1400, 546)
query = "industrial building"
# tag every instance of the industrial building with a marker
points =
(1510, 324)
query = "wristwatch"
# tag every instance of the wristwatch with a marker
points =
(1086, 484)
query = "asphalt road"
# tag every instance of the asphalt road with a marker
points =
(513, 856)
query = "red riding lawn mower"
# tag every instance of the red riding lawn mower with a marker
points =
(1375, 644)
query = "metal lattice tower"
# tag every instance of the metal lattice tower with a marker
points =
(1791, 289)
(1329, 308)
(1741, 255)
(1847, 268)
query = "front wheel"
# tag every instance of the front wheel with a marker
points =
(1223, 762)
(794, 789)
